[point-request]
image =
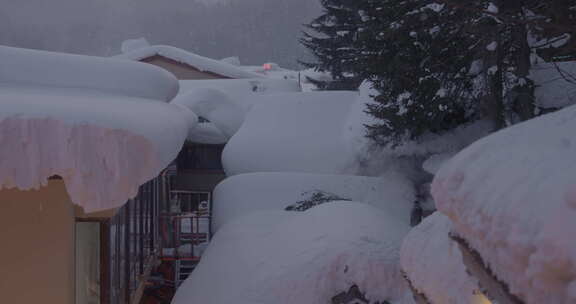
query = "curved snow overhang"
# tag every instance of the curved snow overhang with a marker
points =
(119, 77)
(103, 145)
(427, 253)
(512, 197)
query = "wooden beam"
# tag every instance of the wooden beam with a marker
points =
(496, 290)
(418, 297)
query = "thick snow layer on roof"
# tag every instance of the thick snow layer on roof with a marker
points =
(512, 196)
(237, 87)
(219, 108)
(246, 193)
(429, 253)
(207, 133)
(225, 104)
(201, 63)
(308, 257)
(555, 83)
(103, 145)
(292, 132)
(233, 60)
(41, 68)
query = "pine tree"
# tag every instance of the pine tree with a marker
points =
(440, 65)
(332, 41)
(420, 61)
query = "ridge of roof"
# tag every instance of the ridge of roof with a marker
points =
(202, 63)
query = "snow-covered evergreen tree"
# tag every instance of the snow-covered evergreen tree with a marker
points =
(332, 40)
(441, 64)
(420, 60)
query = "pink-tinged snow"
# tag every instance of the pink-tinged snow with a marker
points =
(433, 263)
(201, 63)
(246, 193)
(104, 146)
(41, 68)
(300, 257)
(512, 196)
(292, 132)
(554, 83)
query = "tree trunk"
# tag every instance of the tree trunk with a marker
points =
(523, 103)
(492, 101)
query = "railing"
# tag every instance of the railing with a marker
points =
(185, 227)
(185, 236)
(131, 244)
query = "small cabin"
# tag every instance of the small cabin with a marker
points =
(83, 185)
(186, 65)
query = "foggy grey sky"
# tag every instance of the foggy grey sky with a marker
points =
(256, 30)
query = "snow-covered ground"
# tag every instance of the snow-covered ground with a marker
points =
(300, 257)
(246, 193)
(102, 125)
(512, 196)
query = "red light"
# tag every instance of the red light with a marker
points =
(267, 66)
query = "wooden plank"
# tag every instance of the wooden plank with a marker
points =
(105, 283)
(418, 297)
(496, 290)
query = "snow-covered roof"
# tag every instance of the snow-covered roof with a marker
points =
(40, 68)
(246, 193)
(292, 132)
(201, 63)
(225, 102)
(285, 257)
(427, 253)
(512, 197)
(223, 111)
(102, 125)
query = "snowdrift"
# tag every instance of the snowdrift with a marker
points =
(285, 257)
(512, 197)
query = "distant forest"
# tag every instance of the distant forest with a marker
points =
(257, 31)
